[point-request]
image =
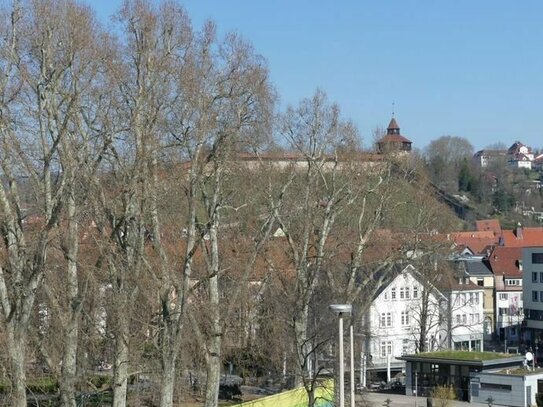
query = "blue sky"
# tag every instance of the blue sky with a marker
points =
(468, 68)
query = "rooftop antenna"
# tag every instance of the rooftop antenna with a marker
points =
(393, 109)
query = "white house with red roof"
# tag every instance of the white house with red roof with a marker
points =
(520, 156)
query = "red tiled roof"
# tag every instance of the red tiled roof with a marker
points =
(489, 225)
(505, 260)
(476, 241)
(523, 237)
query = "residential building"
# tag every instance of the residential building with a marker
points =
(506, 265)
(520, 156)
(478, 269)
(392, 326)
(408, 307)
(463, 316)
(484, 158)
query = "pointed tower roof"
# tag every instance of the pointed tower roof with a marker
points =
(393, 139)
(393, 125)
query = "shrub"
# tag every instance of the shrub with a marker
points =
(442, 395)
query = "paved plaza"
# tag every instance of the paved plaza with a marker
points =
(397, 400)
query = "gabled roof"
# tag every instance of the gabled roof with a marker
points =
(477, 241)
(504, 261)
(515, 148)
(400, 270)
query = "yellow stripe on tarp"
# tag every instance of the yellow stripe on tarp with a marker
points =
(324, 397)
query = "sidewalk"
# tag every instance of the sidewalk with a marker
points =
(378, 399)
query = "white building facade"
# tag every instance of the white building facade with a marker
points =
(407, 305)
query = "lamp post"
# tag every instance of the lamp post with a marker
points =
(341, 310)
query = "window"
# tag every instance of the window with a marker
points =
(535, 296)
(458, 319)
(502, 311)
(534, 277)
(415, 292)
(464, 318)
(503, 296)
(385, 320)
(541, 277)
(393, 293)
(537, 258)
(480, 282)
(402, 293)
(471, 318)
(405, 318)
(405, 346)
(471, 298)
(386, 295)
(476, 298)
(407, 293)
(386, 348)
(495, 387)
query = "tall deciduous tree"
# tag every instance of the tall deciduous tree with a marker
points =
(444, 157)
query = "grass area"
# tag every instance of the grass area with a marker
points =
(464, 355)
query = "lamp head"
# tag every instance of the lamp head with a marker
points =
(341, 308)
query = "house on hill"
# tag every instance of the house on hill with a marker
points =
(484, 158)
(520, 156)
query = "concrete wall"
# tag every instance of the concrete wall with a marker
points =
(514, 397)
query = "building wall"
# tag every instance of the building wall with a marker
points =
(516, 396)
(467, 320)
(532, 261)
(398, 336)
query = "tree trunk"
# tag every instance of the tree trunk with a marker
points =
(213, 365)
(16, 351)
(69, 365)
(71, 330)
(120, 366)
(300, 332)
(168, 380)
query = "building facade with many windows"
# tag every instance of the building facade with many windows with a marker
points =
(409, 315)
(532, 261)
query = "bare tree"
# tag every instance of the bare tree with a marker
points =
(45, 63)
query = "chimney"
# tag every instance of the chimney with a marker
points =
(518, 231)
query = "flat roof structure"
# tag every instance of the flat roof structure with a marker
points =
(425, 371)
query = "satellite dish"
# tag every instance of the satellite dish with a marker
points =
(529, 356)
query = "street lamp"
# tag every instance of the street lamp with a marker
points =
(340, 310)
